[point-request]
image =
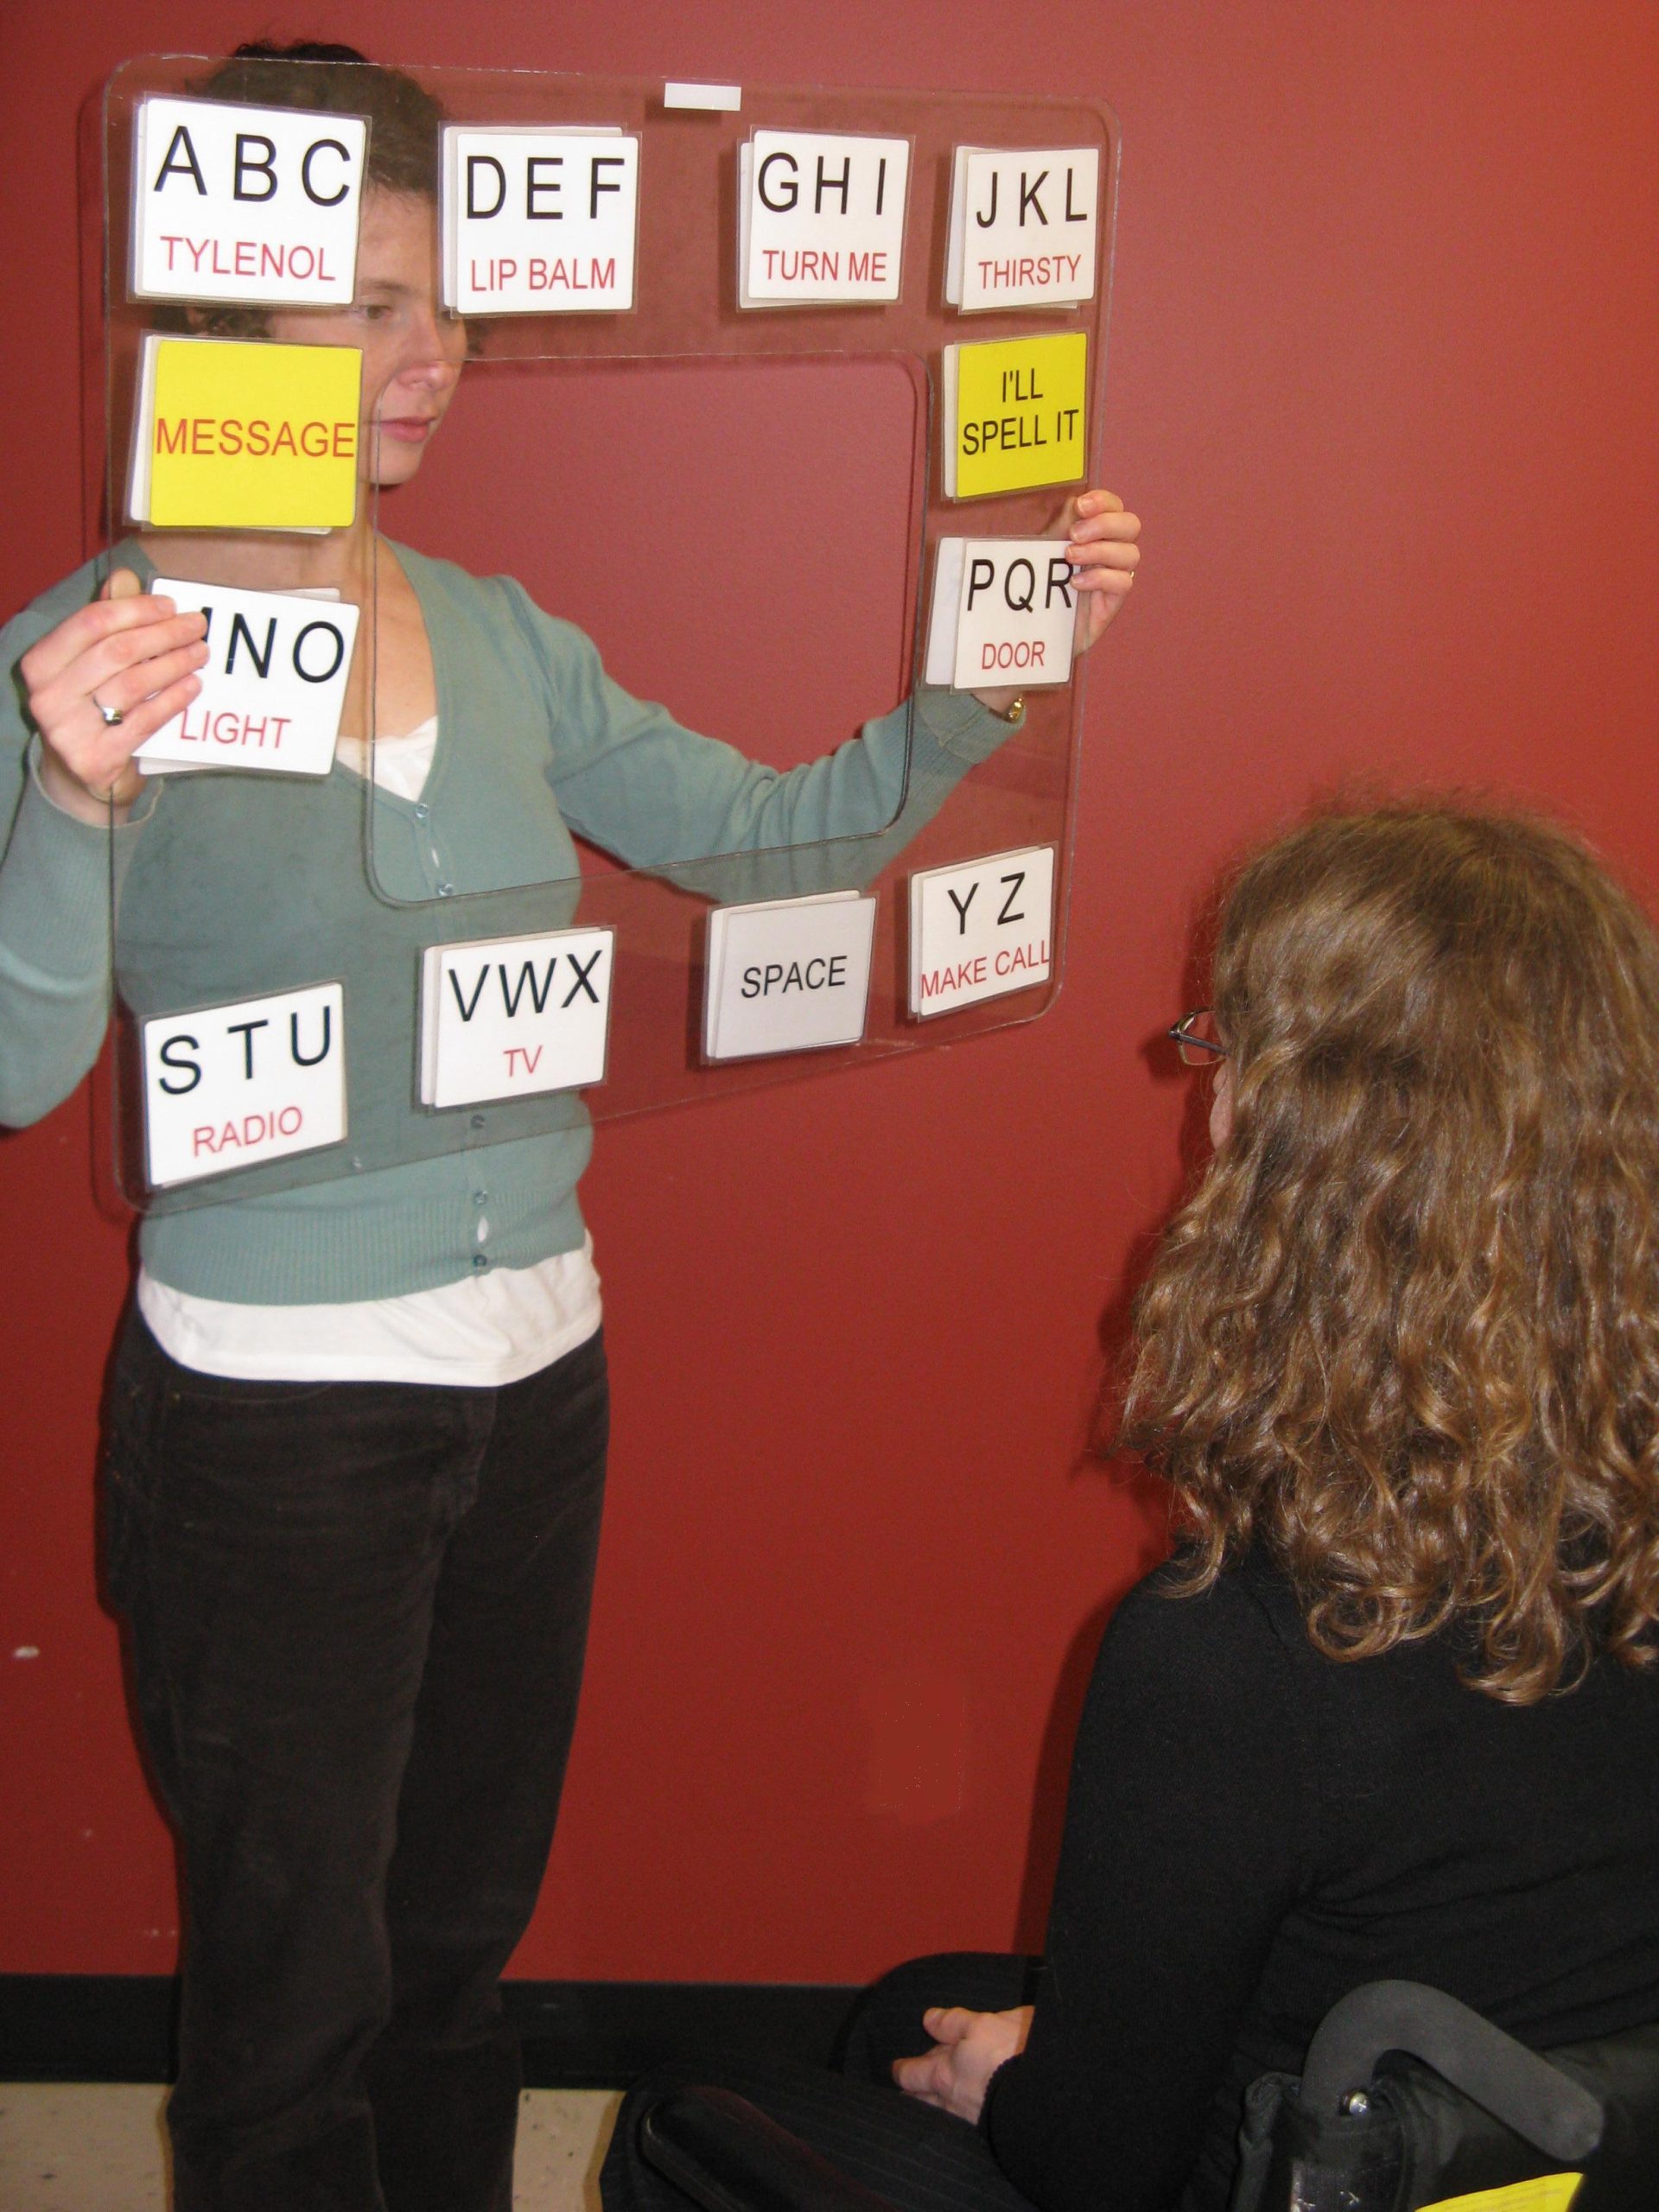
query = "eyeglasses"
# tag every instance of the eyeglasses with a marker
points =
(1195, 1039)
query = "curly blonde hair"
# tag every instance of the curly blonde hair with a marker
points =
(1406, 1331)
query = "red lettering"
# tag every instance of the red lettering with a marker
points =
(284, 441)
(171, 440)
(314, 440)
(345, 441)
(201, 434)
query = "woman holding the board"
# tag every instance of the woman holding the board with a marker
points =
(358, 1427)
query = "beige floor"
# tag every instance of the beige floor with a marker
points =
(85, 2147)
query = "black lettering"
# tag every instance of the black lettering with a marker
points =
(810, 984)
(266, 169)
(526, 978)
(1028, 197)
(322, 199)
(837, 971)
(1021, 605)
(763, 179)
(981, 573)
(474, 162)
(188, 166)
(468, 1007)
(244, 1030)
(990, 217)
(535, 188)
(581, 982)
(321, 1053)
(1060, 579)
(596, 184)
(1013, 882)
(881, 183)
(961, 906)
(1073, 214)
(842, 184)
(751, 983)
(239, 630)
(185, 1066)
(317, 676)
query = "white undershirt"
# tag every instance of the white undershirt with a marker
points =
(487, 1330)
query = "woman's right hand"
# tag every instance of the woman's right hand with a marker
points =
(129, 651)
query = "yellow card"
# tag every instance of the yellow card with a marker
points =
(1549, 2193)
(252, 436)
(1018, 413)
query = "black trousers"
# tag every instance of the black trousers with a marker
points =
(356, 1617)
(919, 2159)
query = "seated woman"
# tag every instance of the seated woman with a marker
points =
(1392, 1709)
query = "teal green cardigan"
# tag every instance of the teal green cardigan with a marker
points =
(234, 885)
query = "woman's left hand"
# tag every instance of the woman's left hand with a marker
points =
(968, 2048)
(1104, 551)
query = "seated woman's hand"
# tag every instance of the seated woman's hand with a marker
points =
(968, 2048)
(130, 652)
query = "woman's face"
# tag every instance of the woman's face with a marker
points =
(412, 349)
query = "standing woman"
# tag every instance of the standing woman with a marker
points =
(357, 1428)
(1393, 1711)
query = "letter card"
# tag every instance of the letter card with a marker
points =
(821, 219)
(274, 685)
(507, 1017)
(980, 928)
(233, 1086)
(1023, 226)
(539, 220)
(245, 203)
(1003, 612)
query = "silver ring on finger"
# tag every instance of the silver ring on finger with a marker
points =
(112, 716)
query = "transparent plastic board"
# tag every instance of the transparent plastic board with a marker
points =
(628, 472)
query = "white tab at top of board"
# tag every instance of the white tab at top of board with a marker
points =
(727, 98)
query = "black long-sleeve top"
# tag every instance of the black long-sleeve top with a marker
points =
(1254, 1829)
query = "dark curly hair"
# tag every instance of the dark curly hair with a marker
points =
(1406, 1331)
(405, 119)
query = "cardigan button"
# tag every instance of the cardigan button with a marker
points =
(480, 1260)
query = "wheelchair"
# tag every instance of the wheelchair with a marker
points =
(1408, 2102)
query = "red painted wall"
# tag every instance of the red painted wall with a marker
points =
(1383, 382)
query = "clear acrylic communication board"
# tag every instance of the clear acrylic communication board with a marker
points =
(476, 409)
